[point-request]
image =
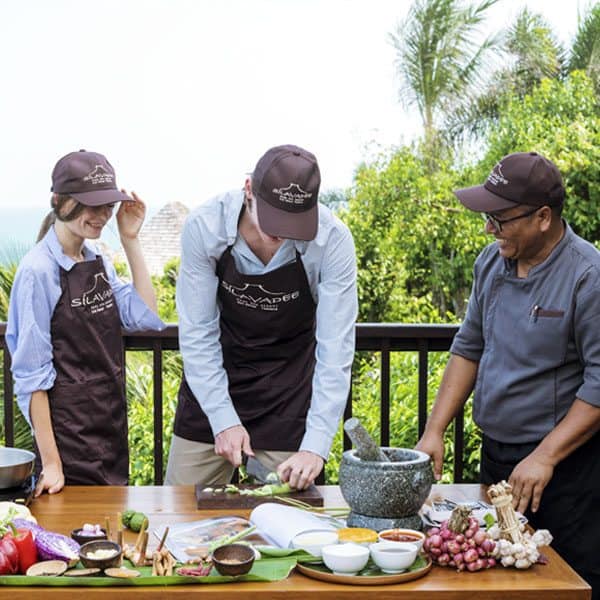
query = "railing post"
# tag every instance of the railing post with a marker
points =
(423, 383)
(9, 416)
(459, 439)
(347, 415)
(157, 363)
(384, 435)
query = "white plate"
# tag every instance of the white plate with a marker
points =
(437, 515)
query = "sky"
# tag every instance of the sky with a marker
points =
(184, 96)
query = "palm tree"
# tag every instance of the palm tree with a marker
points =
(585, 51)
(438, 59)
(535, 51)
(531, 53)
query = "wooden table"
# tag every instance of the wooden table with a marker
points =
(77, 505)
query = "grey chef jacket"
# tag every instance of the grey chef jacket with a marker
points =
(537, 339)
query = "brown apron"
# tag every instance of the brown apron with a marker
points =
(88, 407)
(268, 342)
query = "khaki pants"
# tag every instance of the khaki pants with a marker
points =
(196, 462)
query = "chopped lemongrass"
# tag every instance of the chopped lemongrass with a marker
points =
(230, 539)
(324, 511)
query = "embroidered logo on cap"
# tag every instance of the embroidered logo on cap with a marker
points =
(496, 176)
(99, 175)
(292, 194)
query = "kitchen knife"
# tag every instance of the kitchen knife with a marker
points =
(256, 469)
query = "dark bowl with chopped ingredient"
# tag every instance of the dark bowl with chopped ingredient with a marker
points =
(100, 554)
(233, 559)
(83, 537)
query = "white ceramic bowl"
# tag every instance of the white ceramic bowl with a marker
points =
(393, 557)
(345, 559)
(313, 541)
(403, 536)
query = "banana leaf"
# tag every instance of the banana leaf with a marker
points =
(267, 569)
(301, 556)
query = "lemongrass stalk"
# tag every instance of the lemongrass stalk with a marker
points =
(230, 539)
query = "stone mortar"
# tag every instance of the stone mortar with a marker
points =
(390, 490)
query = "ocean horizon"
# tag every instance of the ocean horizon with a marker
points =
(19, 228)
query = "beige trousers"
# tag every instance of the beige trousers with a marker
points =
(196, 462)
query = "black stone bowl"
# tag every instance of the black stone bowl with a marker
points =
(100, 563)
(82, 539)
(233, 559)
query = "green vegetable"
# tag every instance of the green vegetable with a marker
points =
(230, 539)
(489, 520)
(133, 519)
(270, 489)
(126, 518)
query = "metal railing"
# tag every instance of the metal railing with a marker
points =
(383, 338)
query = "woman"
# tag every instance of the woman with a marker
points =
(66, 311)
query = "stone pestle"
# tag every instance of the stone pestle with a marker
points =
(366, 448)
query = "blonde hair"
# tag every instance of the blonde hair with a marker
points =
(59, 211)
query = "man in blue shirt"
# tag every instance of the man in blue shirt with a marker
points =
(266, 298)
(530, 348)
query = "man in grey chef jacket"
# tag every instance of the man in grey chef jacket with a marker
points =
(267, 302)
(530, 348)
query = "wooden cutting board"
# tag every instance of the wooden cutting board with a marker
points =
(211, 500)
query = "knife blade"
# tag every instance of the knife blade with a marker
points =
(256, 469)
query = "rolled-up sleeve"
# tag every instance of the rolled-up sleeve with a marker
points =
(134, 313)
(199, 329)
(28, 338)
(337, 309)
(587, 340)
(468, 342)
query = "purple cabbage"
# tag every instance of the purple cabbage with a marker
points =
(25, 524)
(55, 546)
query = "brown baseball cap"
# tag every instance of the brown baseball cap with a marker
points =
(88, 177)
(285, 183)
(519, 178)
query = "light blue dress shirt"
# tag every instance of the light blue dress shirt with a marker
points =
(34, 296)
(330, 264)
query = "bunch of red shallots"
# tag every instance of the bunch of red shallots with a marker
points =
(460, 543)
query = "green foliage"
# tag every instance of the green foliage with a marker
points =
(366, 387)
(141, 411)
(415, 244)
(537, 53)
(561, 120)
(438, 58)
(10, 257)
(585, 51)
(165, 291)
(122, 270)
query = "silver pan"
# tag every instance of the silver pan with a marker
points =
(16, 466)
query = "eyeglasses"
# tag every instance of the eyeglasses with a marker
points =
(497, 223)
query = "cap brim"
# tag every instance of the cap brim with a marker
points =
(100, 197)
(480, 199)
(289, 225)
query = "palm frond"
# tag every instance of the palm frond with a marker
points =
(437, 55)
(585, 50)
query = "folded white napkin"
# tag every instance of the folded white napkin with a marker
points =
(281, 524)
